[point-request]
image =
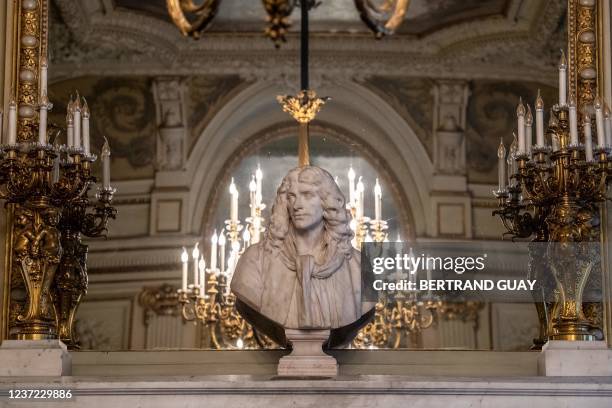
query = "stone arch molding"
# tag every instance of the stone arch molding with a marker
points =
(353, 108)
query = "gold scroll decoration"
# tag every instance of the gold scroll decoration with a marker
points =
(204, 13)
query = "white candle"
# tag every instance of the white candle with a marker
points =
(501, 165)
(608, 126)
(573, 121)
(42, 120)
(246, 237)
(43, 76)
(351, 177)
(69, 129)
(196, 257)
(562, 80)
(106, 152)
(359, 193)
(256, 230)
(85, 126)
(599, 123)
(77, 122)
(539, 120)
(202, 268)
(184, 260)
(377, 201)
(259, 181)
(253, 196)
(520, 114)
(222, 250)
(233, 261)
(528, 131)
(12, 122)
(588, 142)
(213, 251)
(234, 202)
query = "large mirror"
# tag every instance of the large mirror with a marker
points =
(421, 113)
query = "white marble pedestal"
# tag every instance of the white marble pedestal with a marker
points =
(575, 358)
(307, 358)
(34, 358)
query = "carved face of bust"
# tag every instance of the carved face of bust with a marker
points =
(304, 205)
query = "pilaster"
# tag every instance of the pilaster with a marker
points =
(170, 196)
(450, 200)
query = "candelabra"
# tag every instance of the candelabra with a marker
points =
(361, 224)
(553, 194)
(397, 319)
(49, 184)
(80, 217)
(210, 301)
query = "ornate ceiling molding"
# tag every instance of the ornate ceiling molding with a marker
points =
(104, 40)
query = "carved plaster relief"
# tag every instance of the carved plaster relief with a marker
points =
(122, 109)
(491, 115)
(450, 100)
(169, 94)
(412, 99)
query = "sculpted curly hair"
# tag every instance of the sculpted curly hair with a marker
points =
(336, 217)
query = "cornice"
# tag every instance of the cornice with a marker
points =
(483, 48)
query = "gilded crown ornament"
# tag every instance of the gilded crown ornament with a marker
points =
(304, 106)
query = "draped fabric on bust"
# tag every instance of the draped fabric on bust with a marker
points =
(301, 291)
(315, 301)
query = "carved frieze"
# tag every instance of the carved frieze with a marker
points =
(412, 99)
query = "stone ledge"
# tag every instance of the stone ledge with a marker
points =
(455, 363)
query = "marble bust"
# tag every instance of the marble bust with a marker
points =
(304, 274)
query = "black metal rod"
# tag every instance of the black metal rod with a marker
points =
(304, 45)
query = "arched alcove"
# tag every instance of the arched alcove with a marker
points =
(332, 148)
(366, 121)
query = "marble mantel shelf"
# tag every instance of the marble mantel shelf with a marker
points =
(380, 378)
(355, 391)
(457, 363)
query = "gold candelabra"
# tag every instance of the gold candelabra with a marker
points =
(49, 185)
(211, 302)
(556, 186)
(553, 195)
